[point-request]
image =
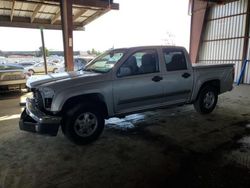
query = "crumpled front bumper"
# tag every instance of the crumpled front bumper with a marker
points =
(34, 120)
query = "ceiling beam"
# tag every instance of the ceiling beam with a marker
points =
(12, 10)
(97, 3)
(220, 1)
(38, 7)
(78, 14)
(82, 3)
(93, 17)
(58, 14)
(28, 11)
(24, 22)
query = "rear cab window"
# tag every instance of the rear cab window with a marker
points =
(174, 59)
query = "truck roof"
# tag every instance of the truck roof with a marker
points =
(149, 47)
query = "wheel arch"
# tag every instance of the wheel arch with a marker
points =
(214, 83)
(95, 98)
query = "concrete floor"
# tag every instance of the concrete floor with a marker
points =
(165, 148)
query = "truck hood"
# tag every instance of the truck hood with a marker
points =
(35, 81)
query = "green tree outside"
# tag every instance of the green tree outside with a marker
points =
(93, 52)
(39, 53)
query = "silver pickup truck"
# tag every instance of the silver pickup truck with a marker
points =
(117, 83)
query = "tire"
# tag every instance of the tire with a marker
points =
(83, 124)
(206, 100)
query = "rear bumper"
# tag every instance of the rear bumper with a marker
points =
(33, 120)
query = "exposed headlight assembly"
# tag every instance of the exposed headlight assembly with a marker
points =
(47, 94)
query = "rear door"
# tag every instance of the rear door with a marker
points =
(138, 82)
(177, 76)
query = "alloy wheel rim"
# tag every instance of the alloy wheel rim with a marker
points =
(209, 99)
(85, 124)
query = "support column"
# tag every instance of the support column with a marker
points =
(67, 28)
(44, 51)
(199, 9)
(246, 39)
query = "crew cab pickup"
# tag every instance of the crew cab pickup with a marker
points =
(121, 82)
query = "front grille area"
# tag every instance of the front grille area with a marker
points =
(38, 99)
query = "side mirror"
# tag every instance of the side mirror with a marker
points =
(124, 71)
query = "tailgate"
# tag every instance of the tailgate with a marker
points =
(9, 75)
(223, 73)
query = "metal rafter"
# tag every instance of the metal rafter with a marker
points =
(79, 13)
(219, 1)
(38, 7)
(24, 22)
(81, 3)
(93, 17)
(27, 11)
(93, 3)
(28, 18)
(12, 10)
(58, 14)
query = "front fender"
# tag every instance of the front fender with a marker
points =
(105, 89)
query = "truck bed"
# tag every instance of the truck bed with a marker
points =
(205, 72)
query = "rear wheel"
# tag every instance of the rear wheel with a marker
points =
(207, 100)
(83, 124)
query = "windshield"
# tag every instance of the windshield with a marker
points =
(106, 61)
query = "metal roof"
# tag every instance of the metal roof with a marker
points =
(46, 13)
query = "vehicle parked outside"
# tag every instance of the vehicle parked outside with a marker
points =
(79, 63)
(39, 68)
(3, 60)
(12, 77)
(121, 82)
(27, 63)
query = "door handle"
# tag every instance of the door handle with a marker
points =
(157, 78)
(186, 75)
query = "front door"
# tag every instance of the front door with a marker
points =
(139, 83)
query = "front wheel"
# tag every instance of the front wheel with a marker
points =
(207, 100)
(83, 124)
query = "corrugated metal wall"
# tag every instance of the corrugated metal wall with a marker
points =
(223, 39)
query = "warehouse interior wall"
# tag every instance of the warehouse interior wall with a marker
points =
(224, 36)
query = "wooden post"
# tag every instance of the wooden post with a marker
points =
(67, 28)
(44, 51)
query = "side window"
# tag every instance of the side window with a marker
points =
(141, 62)
(175, 60)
